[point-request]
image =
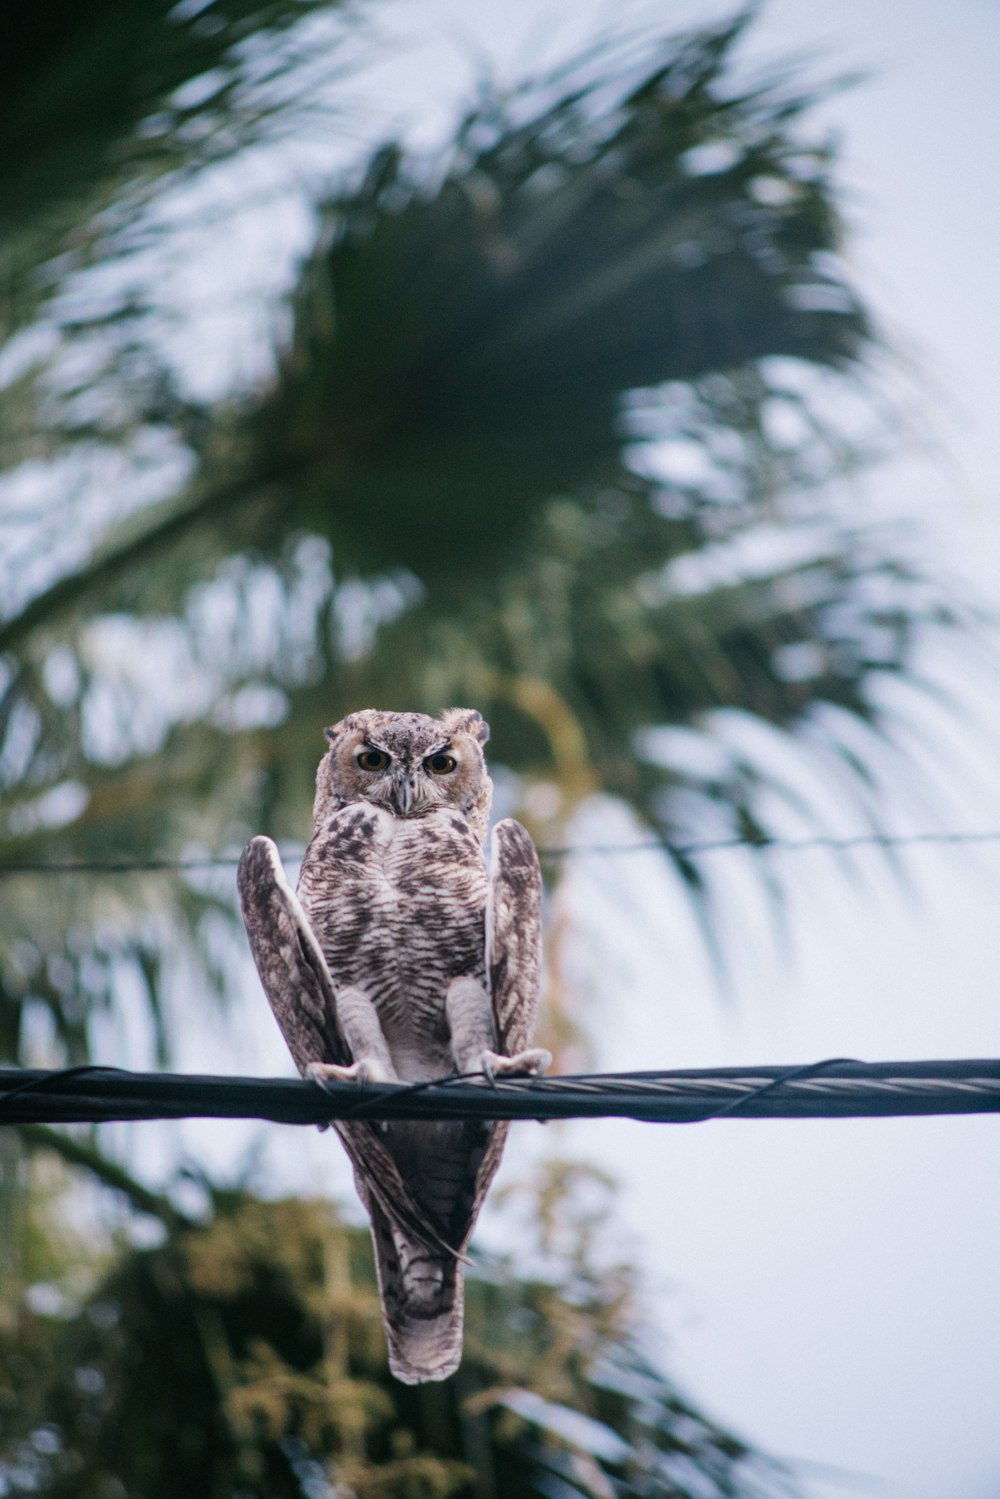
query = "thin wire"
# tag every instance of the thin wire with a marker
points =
(362, 1109)
(782, 845)
(125, 866)
(794, 1074)
(600, 850)
(367, 1108)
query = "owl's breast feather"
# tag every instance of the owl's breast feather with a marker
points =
(398, 903)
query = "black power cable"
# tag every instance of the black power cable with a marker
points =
(833, 1089)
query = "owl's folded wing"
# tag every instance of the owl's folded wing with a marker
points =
(514, 934)
(299, 988)
(289, 959)
(513, 969)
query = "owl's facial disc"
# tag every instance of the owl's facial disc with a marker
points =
(413, 790)
(376, 771)
(372, 759)
(403, 793)
(441, 763)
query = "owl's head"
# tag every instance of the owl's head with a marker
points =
(408, 763)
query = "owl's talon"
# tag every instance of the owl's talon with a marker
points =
(367, 1070)
(525, 1064)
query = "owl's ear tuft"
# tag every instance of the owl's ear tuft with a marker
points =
(345, 726)
(466, 721)
(338, 730)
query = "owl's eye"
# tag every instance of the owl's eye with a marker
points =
(440, 765)
(373, 759)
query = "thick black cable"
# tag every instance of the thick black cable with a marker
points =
(835, 1088)
(362, 1108)
(37, 1082)
(369, 1109)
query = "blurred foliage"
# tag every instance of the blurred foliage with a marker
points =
(548, 430)
(102, 103)
(245, 1356)
(449, 489)
(546, 434)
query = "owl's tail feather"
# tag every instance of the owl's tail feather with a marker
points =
(421, 1289)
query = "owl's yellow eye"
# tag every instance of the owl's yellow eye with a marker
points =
(373, 759)
(440, 765)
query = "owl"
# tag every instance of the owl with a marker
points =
(402, 958)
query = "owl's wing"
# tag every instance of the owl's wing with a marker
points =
(300, 991)
(514, 934)
(513, 968)
(289, 959)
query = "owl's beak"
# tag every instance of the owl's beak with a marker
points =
(403, 795)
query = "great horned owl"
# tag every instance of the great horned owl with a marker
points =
(402, 959)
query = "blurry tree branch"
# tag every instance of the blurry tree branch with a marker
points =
(83, 1153)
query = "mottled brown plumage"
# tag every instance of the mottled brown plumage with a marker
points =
(401, 958)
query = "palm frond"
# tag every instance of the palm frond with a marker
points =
(463, 343)
(549, 410)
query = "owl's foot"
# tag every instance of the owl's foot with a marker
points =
(367, 1070)
(525, 1064)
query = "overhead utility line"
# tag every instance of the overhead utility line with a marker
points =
(836, 1088)
(834, 843)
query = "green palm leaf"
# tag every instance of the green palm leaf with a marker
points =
(461, 483)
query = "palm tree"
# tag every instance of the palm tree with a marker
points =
(104, 110)
(544, 433)
(462, 482)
